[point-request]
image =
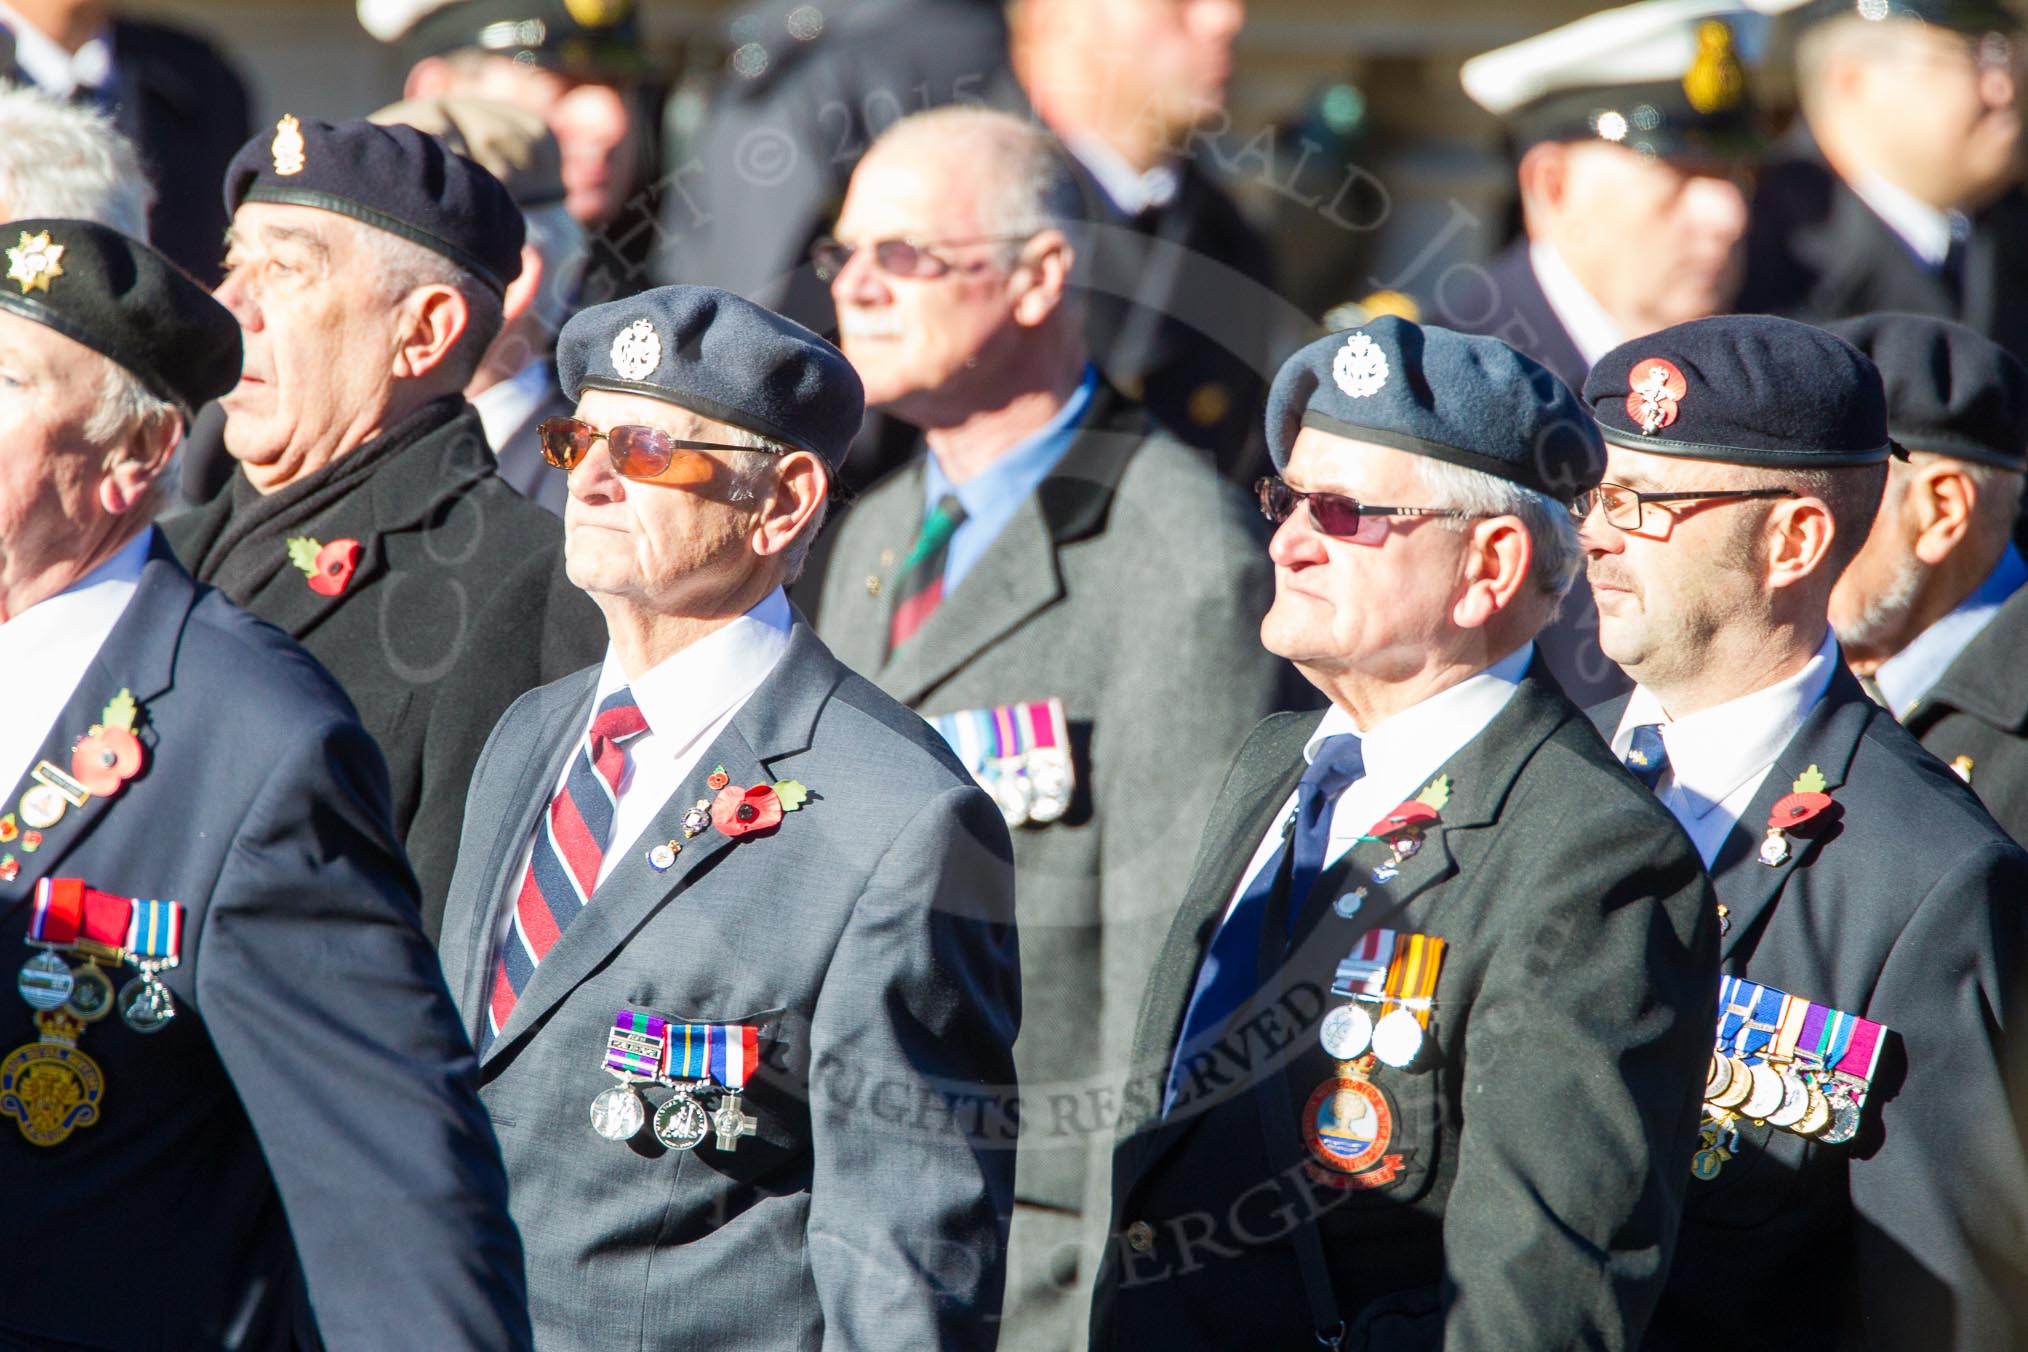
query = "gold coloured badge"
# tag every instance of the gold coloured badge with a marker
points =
(598, 13)
(49, 1087)
(1715, 81)
(34, 261)
(288, 146)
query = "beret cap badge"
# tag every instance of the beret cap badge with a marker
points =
(1360, 368)
(34, 261)
(1655, 387)
(636, 351)
(287, 147)
(1715, 81)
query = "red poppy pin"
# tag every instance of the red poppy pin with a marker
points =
(1795, 811)
(1401, 829)
(330, 567)
(109, 754)
(1655, 387)
(743, 811)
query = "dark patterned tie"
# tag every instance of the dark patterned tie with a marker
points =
(920, 587)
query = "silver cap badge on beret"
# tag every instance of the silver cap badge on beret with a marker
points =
(1360, 368)
(636, 351)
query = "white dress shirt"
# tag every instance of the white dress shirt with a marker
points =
(1925, 230)
(1590, 326)
(1401, 754)
(1719, 756)
(687, 700)
(45, 649)
(504, 407)
(1906, 677)
(1130, 190)
(55, 71)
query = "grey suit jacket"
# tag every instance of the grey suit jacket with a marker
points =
(870, 937)
(520, 455)
(1131, 584)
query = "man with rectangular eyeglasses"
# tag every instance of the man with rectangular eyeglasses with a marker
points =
(1859, 1138)
(1418, 1062)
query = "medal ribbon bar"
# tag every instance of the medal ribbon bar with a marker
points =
(1412, 978)
(726, 1053)
(638, 1044)
(156, 932)
(1364, 970)
(67, 912)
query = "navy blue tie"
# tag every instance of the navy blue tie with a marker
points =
(1232, 964)
(1646, 756)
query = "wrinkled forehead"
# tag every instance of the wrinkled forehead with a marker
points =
(919, 189)
(264, 226)
(1325, 462)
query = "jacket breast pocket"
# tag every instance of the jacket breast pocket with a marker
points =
(739, 1070)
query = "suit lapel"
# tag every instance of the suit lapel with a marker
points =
(138, 656)
(778, 721)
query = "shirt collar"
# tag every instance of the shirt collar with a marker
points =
(122, 569)
(1021, 469)
(1130, 190)
(1423, 736)
(504, 407)
(1908, 675)
(1590, 326)
(1714, 751)
(1924, 229)
(684, 694)
(52, 69)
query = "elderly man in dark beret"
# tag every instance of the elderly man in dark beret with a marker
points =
(367, 519)
(1860, 1138)
(1418, 1064)
(732, 929)
(1933, 613)
(231, 1037)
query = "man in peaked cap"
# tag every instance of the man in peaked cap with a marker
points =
(367, 518)
(279, 1090)
(1632, 127)
(730, 872)
(1898, 188)
(1417, 1065)
(1860, 1139)
(1933, 610)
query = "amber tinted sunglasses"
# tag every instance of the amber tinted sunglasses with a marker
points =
(647, 454)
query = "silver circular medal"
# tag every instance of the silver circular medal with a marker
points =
(1397, 1038)
(1010, 791)
(681, 1124)
(146, 1005)
(1347, 1032)
(1736, 1087)
(41, 808)
(1718, 1077)
(1766, 1093)
(91, 993)
(1844, 1124)
(45, 980)
(1795, 1100)
(619, 1113)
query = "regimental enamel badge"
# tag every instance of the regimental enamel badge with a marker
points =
(1655, 389)
(34, 262)
(1360, 368)
(636, 351)
(1715, 81)
(1348, 1124)
(287, 147)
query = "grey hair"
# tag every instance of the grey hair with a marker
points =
(1551, 531)
(753, 474)
(124, 407)
(559, 241)
(61, 159)
(405, 266)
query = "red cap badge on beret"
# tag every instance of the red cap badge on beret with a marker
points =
(1656, 387)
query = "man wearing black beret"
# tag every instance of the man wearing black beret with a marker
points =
(1933, 611)
(231, 1038)
(1417, 1064)
(736, 878)
(1860, 1140)
(367, 519)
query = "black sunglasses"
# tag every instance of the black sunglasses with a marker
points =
(646, 454)
(1335, 514)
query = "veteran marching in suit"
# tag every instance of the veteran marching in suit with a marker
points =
(367, 517)
(1934, 610)
(236, 1110)
(733, 929)
(1418, 1064)
(1073, 598)
(1860, 1138)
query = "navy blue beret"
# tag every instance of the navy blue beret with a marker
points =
(1468, 400)
(720, 355)
(393, 178)
(1745, 390)
(123, 300)
(1949, 389)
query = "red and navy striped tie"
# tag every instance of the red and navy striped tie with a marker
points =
(563, 867)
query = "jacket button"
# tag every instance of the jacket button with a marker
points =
(1140, 1236)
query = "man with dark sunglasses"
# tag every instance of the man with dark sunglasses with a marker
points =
(1052, 549)
(1418, 1062)
(732, 930)
(1860, 1137)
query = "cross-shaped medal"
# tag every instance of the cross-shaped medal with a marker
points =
(731, 1123)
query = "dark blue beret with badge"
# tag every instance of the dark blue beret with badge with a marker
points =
(1745, 390)
(125, 301)
(1461, 398)
(393, 178)
(1950, 389)
(720, 355)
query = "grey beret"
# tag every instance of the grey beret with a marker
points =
(720, 355)
(1467, 400)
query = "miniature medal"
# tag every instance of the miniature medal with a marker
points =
(1347, 1032)
(1795, 1100)
(680, 1123)
(637, 1049)
(146, 1005)
(619, 1112)
(91, 993)
(730, 1123)
(154, 944)
(45, 981)
(1398, 1038)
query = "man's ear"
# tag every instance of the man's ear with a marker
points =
(522, 291)
(1498, 554)
(431, 321)
(792, 503)
(1800, 531)
(1944, 499)
(136, 466)
(1544, 175)
(1044, 267)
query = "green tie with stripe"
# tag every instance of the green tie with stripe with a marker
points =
(920, 586)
